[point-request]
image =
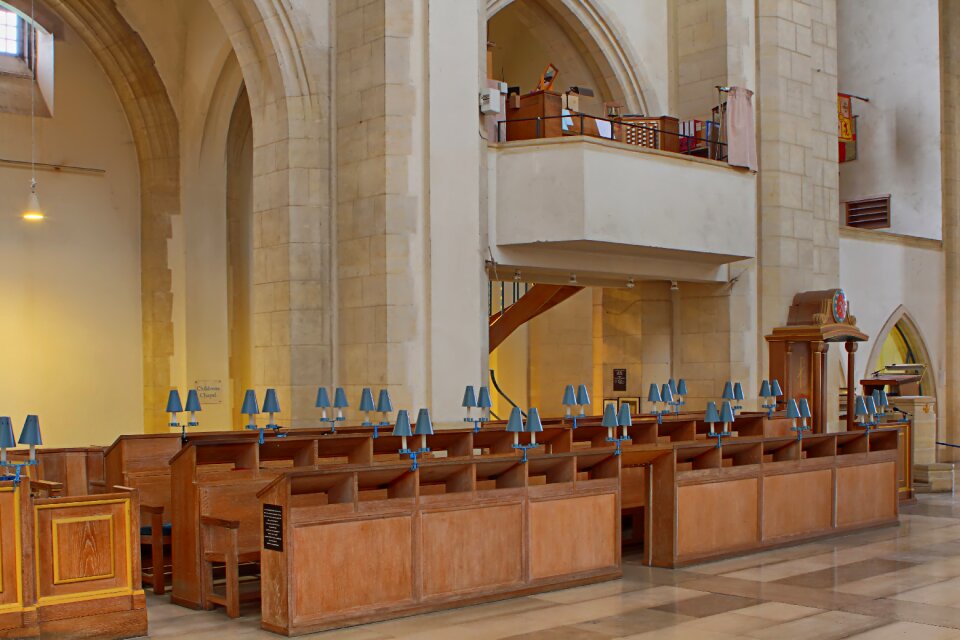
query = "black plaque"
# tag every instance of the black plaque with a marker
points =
(273, 527)
(619, 379)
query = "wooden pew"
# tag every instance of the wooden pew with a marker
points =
(353, 544)
(78, 469)
(750, 494)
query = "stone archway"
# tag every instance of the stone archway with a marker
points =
(599, 41)
(153, 123)
(901, 316)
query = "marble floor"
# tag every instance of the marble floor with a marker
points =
(901, 582)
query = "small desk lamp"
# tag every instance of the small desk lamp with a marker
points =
(384, 406)
(666, 394)
(621, 419)
(323, 403)
(610, 421)
(366, 405)
(7, 441)
(569, 402)
(423, 429)
(805, 414)
(881, 402)
(515, 426)
(766, 394)
(339, 403)
(654, 397)
(484, 404)
(174, 407)
(251, 409)
(583, 399)
(470, 403)
(403, 430)
(193, 406)
(860, 412)
(775, 392)
(712, 416)
(794, 413)
(871, 410)
(271, 405)
(726, 419)
(31, 436)
(680, 393)
(534, 425)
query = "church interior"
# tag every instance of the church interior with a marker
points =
(350, 319)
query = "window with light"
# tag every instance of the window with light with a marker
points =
(11, 33)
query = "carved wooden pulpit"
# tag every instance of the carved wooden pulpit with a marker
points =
(798, 351)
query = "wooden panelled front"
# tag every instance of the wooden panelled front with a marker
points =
(797, 503)
(84, 547)
(492, 535)
(350, 565)
(17, 614)
(570, 535)
(856, 506)
(717, 516)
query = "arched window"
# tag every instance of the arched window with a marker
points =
(11, 34)
(902, 344)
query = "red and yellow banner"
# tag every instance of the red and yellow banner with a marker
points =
(845, 132)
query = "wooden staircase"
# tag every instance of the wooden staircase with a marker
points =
(540, 298)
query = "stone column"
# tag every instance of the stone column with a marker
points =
(928, 474)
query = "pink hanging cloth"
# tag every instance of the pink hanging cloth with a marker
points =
(741, 132)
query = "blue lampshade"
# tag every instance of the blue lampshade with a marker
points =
(402, 427)
(673, 386)
(775, 389)
(860, 408)
(383, 402)
(737, 391)
(483, 398)
(583, 398)
(7, 440)
(654, 395)
(871, 405)
(173, 402)
(884, 401)
(666, 394)
(424, 425)
(712, 414)
(250, 406)
(270, 402)
(366, 400)
(727, 391)
(793, 411)
(876, 397)
(681, 387)
(804, 408)
(534, 424)
(569, 397)
(193, 400)
(323, 398)
(340, 398)
(765, 389)
(624, 419)
(469, 397)
(515, 422)
(31, 431)
(726, 412)
(609, 417)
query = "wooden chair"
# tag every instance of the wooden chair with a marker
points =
(155, 535)
(221, 545)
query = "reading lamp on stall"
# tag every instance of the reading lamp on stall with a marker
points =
(366, 405)
(384, 406)
(193, 406)
(251, 409)
(31, 436)
(271, 406)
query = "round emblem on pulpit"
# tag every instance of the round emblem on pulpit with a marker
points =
(839, 306)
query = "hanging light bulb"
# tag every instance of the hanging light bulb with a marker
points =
(33, 212)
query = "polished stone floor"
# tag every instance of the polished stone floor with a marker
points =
(901, 582)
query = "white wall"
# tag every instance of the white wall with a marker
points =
(880, 276)
(70, 286)
(889, 52)
(642, 27)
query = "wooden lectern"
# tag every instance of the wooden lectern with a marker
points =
(798, 351)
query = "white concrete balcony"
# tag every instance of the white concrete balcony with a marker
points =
(619, 208)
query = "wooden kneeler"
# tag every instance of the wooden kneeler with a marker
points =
(221, 545)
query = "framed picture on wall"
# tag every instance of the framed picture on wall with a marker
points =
(634, 404)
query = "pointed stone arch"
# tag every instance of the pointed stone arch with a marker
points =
(599, 40)
(914, 336)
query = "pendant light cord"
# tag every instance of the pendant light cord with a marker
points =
(32, 43)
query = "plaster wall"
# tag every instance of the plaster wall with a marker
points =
(889, 52)
(71, 326)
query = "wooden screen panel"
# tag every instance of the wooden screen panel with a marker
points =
(717, 516)
(82, 547)
(11, 592)
(570, 535)
(472, 548)
(633, 487)
(346, 566)
(797, 503)
(866, 493)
